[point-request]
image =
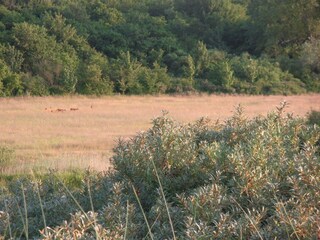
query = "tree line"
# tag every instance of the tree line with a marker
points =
(101, 47)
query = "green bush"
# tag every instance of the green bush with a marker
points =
(313, 117)
(94, 81)
(242, 178)
(182, 85)
(131, 77)
(13, 85)
(262, 76)
(35, 85)
(245, 74)
(173, 149)
(221, 75)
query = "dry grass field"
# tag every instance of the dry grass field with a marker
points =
(80, 132)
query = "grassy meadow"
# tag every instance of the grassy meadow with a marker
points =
(80, 132)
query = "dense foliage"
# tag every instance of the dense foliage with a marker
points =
(314, 117)
(159, 46)
(243, 179)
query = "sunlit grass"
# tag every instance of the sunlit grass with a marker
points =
(45, 138)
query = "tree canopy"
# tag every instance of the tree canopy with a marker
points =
(159, 46)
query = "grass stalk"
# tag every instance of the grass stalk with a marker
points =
(164, 199)
(92, 208)
(143, 213)
(22, 218)
(41, 204)
(288, 218)
(127, 222)
(73, 198)
(78, 204)
(249, 218)
(42, 211)
(26, 226)
(9, 222)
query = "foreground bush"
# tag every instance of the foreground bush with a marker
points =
(314, 117)
(243, 179)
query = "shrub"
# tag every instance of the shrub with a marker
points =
(181, 85)
(240, 179)
(35, 85)
(173, 149)
(313, 117)
(93, 81)
(221, 74)
(262, 76)
(10, 83)
(245, 74)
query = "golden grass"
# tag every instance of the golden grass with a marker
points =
(45, 137)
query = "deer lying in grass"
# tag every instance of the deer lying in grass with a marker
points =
(60, 109)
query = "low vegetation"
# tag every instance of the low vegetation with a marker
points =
(6, 156)
(242, 179)
(314, 117)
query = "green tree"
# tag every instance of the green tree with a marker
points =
(280, 27)
(94, 82)
(10, 83)
(216, 22)
(309, 64)
(152, 46)
(35, 85)
(152, 81)
(220, 76)
(68, 78)
(310, 54)
(188, 69)
(124, 73)
(12, 56)
(163, 80)
(201, 57)
(94, 75)
(9, 16)
(4, 71)
(58, 27)
(43, 56)
(101, 12)
(37, 46)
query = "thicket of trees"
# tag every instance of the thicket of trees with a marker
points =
(159, 46)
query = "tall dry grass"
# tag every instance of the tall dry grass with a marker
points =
(43, 136)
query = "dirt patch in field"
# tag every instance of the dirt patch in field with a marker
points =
(66, 132)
